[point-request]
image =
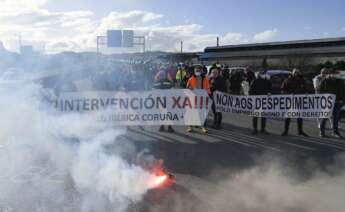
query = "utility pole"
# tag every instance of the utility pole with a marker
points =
(181, 46)
(217, 41)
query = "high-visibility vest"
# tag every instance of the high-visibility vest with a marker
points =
(193, 84)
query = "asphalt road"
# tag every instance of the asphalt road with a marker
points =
(199, 160)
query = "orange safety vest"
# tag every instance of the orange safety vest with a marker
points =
(192, 84)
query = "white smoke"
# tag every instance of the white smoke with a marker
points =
(51, 162)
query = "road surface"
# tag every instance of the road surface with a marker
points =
(199, 161)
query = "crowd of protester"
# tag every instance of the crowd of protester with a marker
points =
(219, 78)
(145, 76)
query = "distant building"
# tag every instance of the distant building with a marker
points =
(182, 57)
(301, 53)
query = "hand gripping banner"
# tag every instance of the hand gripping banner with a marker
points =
(308, 106)
(157, 107)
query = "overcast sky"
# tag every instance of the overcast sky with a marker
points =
(63, 25)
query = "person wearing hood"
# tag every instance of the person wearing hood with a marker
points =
(336, 86)
(260, 86)
(198, 81)
(295, 84)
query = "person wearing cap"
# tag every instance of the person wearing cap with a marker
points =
(260, 86)
(333, 85)
(295, 84)
(198, 81)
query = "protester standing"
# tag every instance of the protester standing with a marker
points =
(164, 81)
(226, 77)
(198, 81)
(181, 73)
(217, 83)
(260, 86)
(249, 75)
(236, 80)
(295, 84)
(333, 85)
(317, 86)
(185, 79)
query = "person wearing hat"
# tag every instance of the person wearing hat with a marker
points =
(333, 85)
(198, 81)
(295, 84)
(260, 86)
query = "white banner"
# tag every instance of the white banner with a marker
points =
(156, 107)
(277, 106)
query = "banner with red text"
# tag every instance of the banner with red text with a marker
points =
(156, 107)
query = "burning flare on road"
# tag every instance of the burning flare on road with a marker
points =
(159, 180)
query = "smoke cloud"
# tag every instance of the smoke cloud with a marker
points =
(54, 162)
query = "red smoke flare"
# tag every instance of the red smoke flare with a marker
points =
(159, 180)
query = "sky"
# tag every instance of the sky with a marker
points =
(73, 25)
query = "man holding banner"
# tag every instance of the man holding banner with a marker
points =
(295, 84)
(332, 85)
(163, 81)
(260, 86)
(198, 81)
(217, 83)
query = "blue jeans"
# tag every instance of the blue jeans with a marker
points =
(336, 119)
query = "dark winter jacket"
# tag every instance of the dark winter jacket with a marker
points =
(218, 84)
(294, 85)
(236, 83)
(333, 86)
(260, 87)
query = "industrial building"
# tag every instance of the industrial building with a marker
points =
(301, 53)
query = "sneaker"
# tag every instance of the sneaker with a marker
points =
(204, 130)
(255, 132)
(189, 129)
(337, 135)
(170, 129)
(285, 134)
(264, 132)
(322, 135)
(161, 129)
(303, 134)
